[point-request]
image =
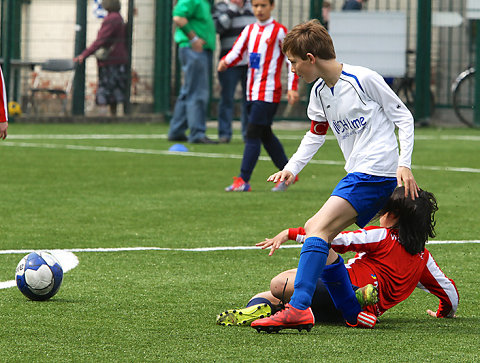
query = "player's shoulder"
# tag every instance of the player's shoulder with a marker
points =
(358, 72)
(379, 233)
(317, 86)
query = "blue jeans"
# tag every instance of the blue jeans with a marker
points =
(228, 81)
(191, 106)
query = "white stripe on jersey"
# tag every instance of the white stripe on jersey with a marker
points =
(263, 83)
(360, 236)
(443, 282)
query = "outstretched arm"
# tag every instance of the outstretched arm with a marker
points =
(434, 281)
(293, 234)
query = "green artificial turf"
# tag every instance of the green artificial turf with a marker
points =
(71, 192)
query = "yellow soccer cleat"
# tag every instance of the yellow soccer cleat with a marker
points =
(244, 316)
(367, 295)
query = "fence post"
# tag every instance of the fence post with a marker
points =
(316, 10)
(162, 72)
(422, 72)
(78, 99)
(127, 106)
(476, 105)
(7, 46)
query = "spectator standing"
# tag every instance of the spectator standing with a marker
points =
(230, 18)
(195, 36)
(110, 49)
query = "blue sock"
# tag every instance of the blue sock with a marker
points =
(251, 152)
(312, 260)
(259, 300)
(337, 281)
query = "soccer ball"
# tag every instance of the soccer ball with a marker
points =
(14, 109)
(39, 276)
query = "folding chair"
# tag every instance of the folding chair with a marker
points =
(55, 77)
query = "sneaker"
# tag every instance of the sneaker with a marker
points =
(245, 316)
(281, 186)
(239, 185)
(289, 318)
(367, 295)
(364, 320)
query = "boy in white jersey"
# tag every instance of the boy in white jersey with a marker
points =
(362, 111)
(262, 43)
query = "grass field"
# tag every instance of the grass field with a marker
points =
(116, 186)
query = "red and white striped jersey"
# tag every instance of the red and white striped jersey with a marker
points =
(3, 100)
(261, 43)
(382, 261)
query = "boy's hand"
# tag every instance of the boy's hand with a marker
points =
(405, 177)
(434, 314)
(274, 242)
(292, 97)
(281, 176)
(198, 44)
(222, 66)
(78, 59)
(3, 130)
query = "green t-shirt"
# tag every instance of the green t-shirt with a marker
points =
(198, 14)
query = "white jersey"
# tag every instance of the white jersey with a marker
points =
(362, 111)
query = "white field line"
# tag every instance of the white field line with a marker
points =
(164, 136)
(70, 261)
(203, 155)
(198, 249)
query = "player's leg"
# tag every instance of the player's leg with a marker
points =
(263, 304)
(199, 93)
(260, 306)
(260, 116)
(178, 122)
(228, 82)
(244, 116)
(335, 215)
(365, 194)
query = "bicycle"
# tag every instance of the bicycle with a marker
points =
(405, 88)
(463, 90)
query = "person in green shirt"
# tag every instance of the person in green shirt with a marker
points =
(195, 36)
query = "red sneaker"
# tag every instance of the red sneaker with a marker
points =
(239, 185)
(289, 318)
(364, 320)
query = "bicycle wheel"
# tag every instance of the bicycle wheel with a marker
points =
(464, 96)
(406, 92)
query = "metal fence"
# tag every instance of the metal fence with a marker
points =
(47, 29)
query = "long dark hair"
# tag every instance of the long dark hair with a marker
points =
(416, 218)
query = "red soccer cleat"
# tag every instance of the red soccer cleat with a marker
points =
(289, 318)
(239, 185)
(364, 320)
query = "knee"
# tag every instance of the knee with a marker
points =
(254, 131)
(281, 285)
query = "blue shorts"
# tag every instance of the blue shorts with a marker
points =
(366, 193)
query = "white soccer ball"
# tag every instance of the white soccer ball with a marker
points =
(39, 275)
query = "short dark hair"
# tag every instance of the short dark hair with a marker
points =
(416, 218)
(111, 5)
(271, 1)
(310, 37)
